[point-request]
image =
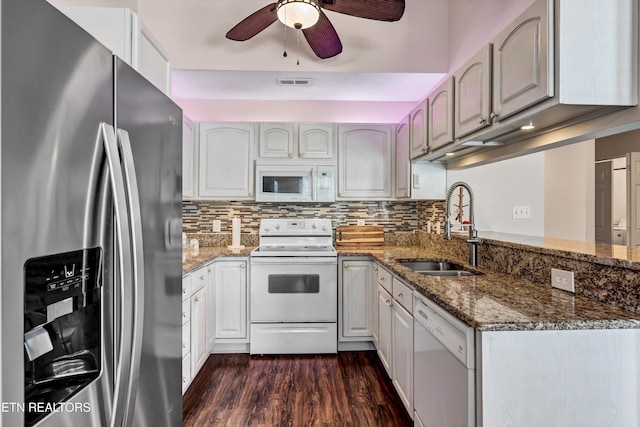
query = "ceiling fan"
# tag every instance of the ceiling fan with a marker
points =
(307, 16)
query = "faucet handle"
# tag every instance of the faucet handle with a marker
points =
(476, 240)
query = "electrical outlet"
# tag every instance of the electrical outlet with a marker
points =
(521, 212)
(216, 225)
(563, 279)
(360, 222)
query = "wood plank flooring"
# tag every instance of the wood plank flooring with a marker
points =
(348, 389)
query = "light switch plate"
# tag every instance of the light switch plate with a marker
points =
(563, 279)
(360, 222)
(216, 225)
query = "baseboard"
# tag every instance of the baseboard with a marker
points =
(355, 346)
(230, 348)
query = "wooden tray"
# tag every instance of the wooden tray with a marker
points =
(361, 235)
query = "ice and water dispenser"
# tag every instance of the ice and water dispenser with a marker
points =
(62, 326)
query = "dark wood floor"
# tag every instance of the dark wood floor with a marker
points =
(350, 389)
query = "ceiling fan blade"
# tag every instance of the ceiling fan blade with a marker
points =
(253, 24)
(323, 39)
(380, 10)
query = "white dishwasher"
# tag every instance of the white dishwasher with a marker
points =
(444, 368)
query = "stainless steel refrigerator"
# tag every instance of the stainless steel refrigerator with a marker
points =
(90, 231)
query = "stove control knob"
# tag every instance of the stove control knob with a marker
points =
(314, 226)
(324, 228)
(267, 229)
(277, 226)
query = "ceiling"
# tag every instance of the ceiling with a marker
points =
(385, 68)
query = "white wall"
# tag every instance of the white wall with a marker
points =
(569, 188)
(499, 186)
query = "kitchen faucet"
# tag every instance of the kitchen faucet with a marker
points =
(473, 239)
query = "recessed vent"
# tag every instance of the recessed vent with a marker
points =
(294, 82)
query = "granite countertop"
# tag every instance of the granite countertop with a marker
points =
(490, 301)
(495, 301)
(192, 259)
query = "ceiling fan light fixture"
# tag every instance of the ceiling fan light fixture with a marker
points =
(298, 14)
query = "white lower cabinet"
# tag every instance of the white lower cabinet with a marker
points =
(198, 329)
(402, 354)
(356, 308)
(211, 308)
(385, 316)
(395, 333)
(230, 278)
(186, 332)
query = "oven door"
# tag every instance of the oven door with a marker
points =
(294, 289)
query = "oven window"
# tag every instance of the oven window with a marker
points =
(294, 283)
(282, 184)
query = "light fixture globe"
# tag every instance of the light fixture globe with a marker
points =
(298, 14)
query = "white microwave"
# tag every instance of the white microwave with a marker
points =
(295, 183)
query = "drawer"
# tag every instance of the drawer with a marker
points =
(199, 279)
(186, 286)
(383, 277)
(186, 338)
(186, 311)
(186, 372)
(403, 294)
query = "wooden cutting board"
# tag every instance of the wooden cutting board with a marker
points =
(370, 235)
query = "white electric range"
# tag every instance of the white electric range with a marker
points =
(294, 288)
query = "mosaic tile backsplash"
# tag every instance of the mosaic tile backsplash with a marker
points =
(396, 216)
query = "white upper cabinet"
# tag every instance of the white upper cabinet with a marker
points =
(403, 167)
(418, 119)
(472, 104)
(226, 153)
(121, 31)
(441, 115)
(293, 141)
(523, 61)
(316, 141)
(188, 135)
(365, 161)
(276, 140)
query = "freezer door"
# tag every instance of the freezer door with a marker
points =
(151, 124)
(56, 194)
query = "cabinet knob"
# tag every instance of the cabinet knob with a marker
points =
(493, 115)
(387, 302)
(424, 149)
(184, 290)
(184, 315)
(250, 194)
(241, 265)
(346, 265)
(481, 121)
(341, 194)
(197, 299)
(301, 154)
(400, 295)
(290, 154)
(184, 345)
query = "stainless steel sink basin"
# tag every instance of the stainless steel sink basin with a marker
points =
(421, 266)
(438, 268)
(448, 273)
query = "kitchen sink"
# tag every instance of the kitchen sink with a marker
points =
(421, 266)
(438, 268)
(448, 273)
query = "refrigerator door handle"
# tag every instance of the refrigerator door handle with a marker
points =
(107, 135)
(135, 221)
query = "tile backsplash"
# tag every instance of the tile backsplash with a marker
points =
(393, 216)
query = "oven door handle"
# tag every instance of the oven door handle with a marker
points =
(294, 260)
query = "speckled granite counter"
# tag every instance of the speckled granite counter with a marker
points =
(496, 301)
(191, 259)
